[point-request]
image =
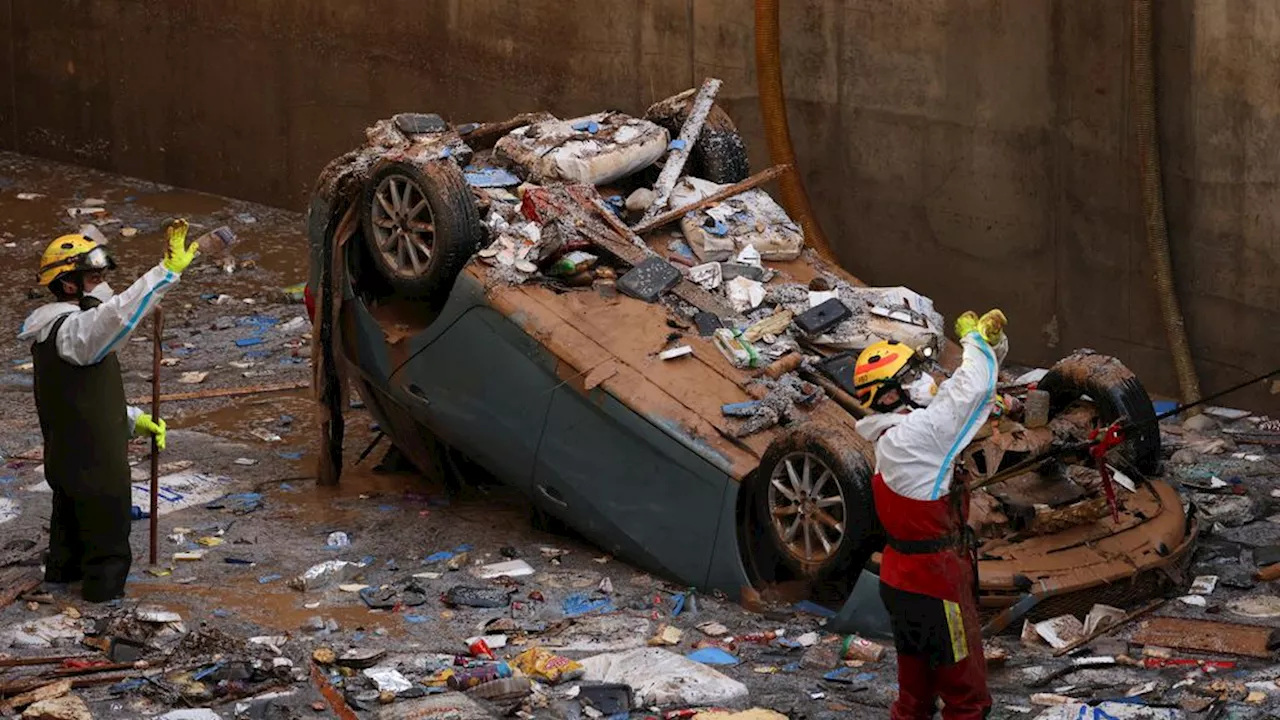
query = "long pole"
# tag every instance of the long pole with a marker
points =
(156, 352)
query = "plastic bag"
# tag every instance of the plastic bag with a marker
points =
(546, 666)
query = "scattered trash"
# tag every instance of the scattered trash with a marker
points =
(1101, 617)
(713, 656)
(1061, 631)
(30, 195)
(265, 435)
(579, 604)
(675, 352)
(713, 629)
(337, 540)
(478, 597)
(667, 635)
(1193, 600)
(856, 648)
(663, 678)
(324, 574)
(388, 679)
(1204, 585)
(545, 666)
(1258, 606)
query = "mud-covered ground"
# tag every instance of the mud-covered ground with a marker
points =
(396, 522)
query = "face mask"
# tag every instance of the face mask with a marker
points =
(102, 292)
(922, 390)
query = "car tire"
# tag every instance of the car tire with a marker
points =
(778, 481)
(719, 154)
(1118, 394)
(420, 225)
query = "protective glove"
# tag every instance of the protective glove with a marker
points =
(152, 427)
(178, 255)
(966, 323)
(991, 325)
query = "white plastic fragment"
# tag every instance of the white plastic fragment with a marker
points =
(511, 568)
(388, 679)
(1193, 600)
(676, 352)
(1204, 584)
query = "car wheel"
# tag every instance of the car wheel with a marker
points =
(719, 155)
(1117, 394)
(420, 226)
(814, 504)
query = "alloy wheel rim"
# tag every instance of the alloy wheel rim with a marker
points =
(807, 508)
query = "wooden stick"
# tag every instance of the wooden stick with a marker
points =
(227, 392)
(112, 667)
(156, 353)
(22, 686)
(28, 662)
(676, 159)
(750, 183)
(1110, 628)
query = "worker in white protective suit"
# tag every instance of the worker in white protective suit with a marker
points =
(928, 574)
(80, 399)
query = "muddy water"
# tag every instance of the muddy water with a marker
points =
(273, 239)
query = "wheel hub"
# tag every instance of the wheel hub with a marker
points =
(807, 508)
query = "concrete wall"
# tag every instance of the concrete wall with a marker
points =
(978, 150)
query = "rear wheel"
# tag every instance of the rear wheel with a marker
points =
(1118, 395)
(813, 503)
(420, 225)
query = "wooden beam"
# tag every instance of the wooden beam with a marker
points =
(750, 183)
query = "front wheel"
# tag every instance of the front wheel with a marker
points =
(813, 502)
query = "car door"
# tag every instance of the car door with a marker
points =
(628, 486)
(483, 386)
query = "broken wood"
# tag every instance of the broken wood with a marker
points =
(1110, 628)
(1268, 573)
(43, 691)
(23, 686)
(17, 582)
(225, 392)
(1208, 636)
(676, 159)
(750, 183)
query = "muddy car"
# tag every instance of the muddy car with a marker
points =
(682, 396)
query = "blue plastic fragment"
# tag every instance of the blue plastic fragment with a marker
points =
(740, 409)
(269, 578)
(812, 608)
(137, 513)
(238, 503)
(491, 178)
(208, 296)
(220, 613)
(248, 341)
(791, 667)
(715, 227)
(125, 686)
(713, 656)
(677, 144)
(616, 201)
(1163, 406)
(579, 604)
(439, 557)
(838, 675)
(202, 674)
(290, 454)
(590, 126)
(463, 548)
(677, 604)
(416, 619)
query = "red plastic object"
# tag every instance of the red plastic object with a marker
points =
(480, 649)
(1102, 443)
(310, 301)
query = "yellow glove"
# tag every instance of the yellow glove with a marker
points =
(178, 255)
(966, 323)
(151, 427)
(992, 325)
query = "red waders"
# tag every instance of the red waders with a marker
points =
(928, 584)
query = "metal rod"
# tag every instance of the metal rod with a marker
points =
(156, 352)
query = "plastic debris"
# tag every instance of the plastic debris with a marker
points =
(744, 293)
(713, 656)
(1204, 585)
(661, 677)
(675, 352)
(337, 540)
(324, 574)
(490, 177)
(513, 568)
(545, 666)
(478, 597)
(388, 679)
(579, 604)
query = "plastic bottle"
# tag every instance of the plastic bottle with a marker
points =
(472, 677)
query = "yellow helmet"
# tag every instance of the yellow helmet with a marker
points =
(70, 253)
(881, 367)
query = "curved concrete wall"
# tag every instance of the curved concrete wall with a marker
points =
(978, 150)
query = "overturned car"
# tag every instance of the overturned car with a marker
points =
(584, 310)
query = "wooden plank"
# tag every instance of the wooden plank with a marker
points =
(676, 159)
(16, 582)
(1208, 636)
(225, 392)
(750, 183)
